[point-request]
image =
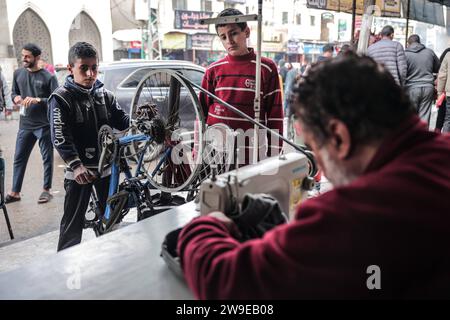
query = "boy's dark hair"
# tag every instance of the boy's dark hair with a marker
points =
(33, 48)
(328, 48)
(359, 92)
(81, 50)
(387, 31)
(231, 12)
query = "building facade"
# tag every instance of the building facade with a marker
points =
(56, 25)
(290, 29)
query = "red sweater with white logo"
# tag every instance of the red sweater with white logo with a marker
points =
(233, 80)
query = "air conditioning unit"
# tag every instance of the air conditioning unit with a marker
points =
(141, 9)
(272, 36)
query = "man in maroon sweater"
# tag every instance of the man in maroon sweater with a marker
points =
(382, 232)
(233, 80)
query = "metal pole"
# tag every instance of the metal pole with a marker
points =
(150, 33)
(353, 21)
(407, 22)
(257, 103)
(142, 42)
(159, 35)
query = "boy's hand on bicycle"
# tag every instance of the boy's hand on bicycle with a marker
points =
(84, 175)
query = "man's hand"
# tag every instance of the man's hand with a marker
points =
(231, 226)
(28, 101)
(83, 175)
(18, 100)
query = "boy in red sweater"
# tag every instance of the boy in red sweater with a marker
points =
(233, 80)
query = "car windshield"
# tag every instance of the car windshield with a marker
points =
(111, 78)
(194, 75)
(133, 80)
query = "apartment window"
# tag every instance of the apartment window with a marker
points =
(229, 5)
(179, 4)
(206, 5)
(298, 19)
(285, 17)
(313, 20)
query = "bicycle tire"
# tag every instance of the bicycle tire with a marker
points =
(178, 106)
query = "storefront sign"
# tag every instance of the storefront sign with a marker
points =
(234, 1)
(329, 17)
(342, 29)
(295, 47)
(312, 48)
(201, 41)
(272, 47)
(135, 44)
(316, 4)
(389, 8)
(174, 41)
(191, 19)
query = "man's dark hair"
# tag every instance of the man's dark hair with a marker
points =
(231, 12)
(355, 90)
(387, 31)
(414, 38)
(328, 48)
(345, 49)
(33, 48)
(81, 50)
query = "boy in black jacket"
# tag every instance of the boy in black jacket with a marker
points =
(77, 110)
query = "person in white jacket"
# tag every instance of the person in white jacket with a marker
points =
(443, 85)
(5, 93)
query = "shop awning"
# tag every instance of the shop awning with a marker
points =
(427, 11)
(128, 35)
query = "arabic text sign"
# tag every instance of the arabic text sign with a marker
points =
(390, 8)
(202, 41)
(191, 19)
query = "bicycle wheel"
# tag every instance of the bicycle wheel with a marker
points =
(174, 164)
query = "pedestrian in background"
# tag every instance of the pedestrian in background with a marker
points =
(443, 86)
(291, 78)
(391, 54)
(422, 63)
(43, 64)
(282, 69)
(5, 94)
(327, 53)
(31, 88)
(442, 107)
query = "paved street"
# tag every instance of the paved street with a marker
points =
(35, 226)
(28, 218)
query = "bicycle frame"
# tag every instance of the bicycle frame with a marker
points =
(115, 167)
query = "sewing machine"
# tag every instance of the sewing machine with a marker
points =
(284, 177)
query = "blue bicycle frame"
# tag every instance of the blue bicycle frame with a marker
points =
(115, 167)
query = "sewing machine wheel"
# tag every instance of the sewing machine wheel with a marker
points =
(218, 151)
(173, 164)
(106, 143)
